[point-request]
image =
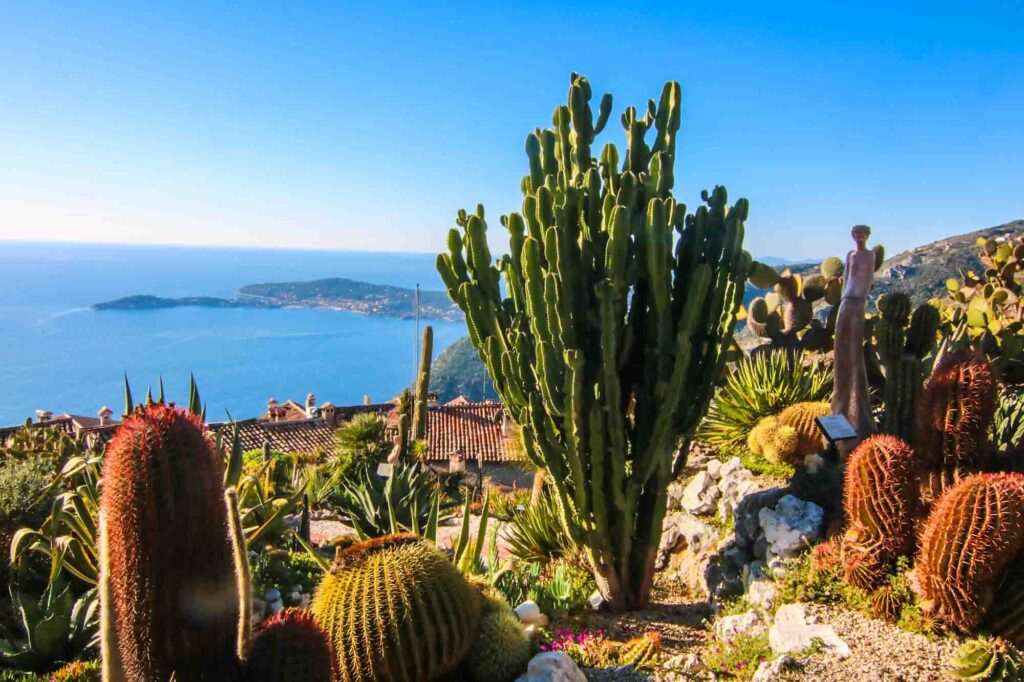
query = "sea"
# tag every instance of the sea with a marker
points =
(58, 354)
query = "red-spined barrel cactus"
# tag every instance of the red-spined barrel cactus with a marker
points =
(879, 497)
(396, 610)
(166, 555)
(973, 535)
(290, 647)
(955, 412)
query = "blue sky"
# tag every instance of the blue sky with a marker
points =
(365, 127)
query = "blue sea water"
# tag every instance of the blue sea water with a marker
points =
(58, 354)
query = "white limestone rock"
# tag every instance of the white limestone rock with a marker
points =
(790, 527)
(791, 633)
(700, 494)
(552, 666)
(728, 627)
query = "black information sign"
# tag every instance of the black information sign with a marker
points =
(836, 428)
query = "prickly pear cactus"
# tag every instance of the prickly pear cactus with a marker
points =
(396, 610)
(987, 659)
(986, 309)
(956, 410)
(290, 647)
(973, 535)
(880, 500)
(166, 558)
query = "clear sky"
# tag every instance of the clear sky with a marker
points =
(367, 126)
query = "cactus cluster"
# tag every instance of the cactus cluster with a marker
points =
(880, 492)
(955, 413)
(986, 309)
(903, 341)
(396, 610)
(971, 539)
(987, 659)
(175, 589)
(614, 322)
(791, 435)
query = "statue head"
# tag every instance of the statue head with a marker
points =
(860, 234)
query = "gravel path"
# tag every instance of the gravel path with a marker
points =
(881, 652)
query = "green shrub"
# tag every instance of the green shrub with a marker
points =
(286, 572)
(761, 385)
(24, 496)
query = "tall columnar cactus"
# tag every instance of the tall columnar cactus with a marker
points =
(903, 341)
(955, 412)
(171, 605)
(880, 498)
(973, 535)
(619, 308)
(290, 647)
(396, 610)
(423, 385)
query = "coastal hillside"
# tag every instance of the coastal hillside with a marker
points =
(458, 370)
(922, 272)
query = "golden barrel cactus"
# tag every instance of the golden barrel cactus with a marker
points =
(396, 610)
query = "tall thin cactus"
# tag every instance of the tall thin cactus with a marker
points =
(419, 420)
(616, 316)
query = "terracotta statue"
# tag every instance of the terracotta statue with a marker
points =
(851, 395)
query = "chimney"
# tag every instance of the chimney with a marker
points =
(366, 399)
(105, 414)
(310, 405)
(329, 414)
(272, 409)
(433, 398)
(43, 416)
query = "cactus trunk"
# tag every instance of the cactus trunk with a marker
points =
(617, 313)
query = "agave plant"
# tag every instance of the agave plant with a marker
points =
(68, 536)
(56, 627)
(408, 501)
(535, 534)
(760, 386)
(1008, 424)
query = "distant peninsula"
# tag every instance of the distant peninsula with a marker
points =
(335, 293)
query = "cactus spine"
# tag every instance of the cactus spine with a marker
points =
(396, 610)
(956, 408)
(166, 550)
(618, 313)
(973, 535)
(501, 649)
(290, 647)
(903, 341)
(423, 385)
(880, 494)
